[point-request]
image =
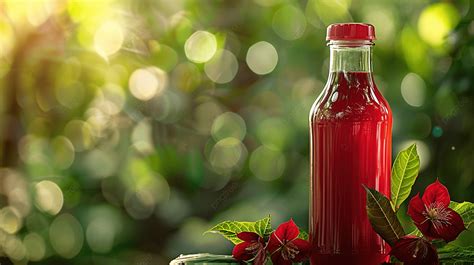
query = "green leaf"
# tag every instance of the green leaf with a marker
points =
(404, 172)
(230, 229)
(394, 260)
(415, 232)
(466, 210)
(303, 235)
(382, 217)
(456, 254)
(263, 227)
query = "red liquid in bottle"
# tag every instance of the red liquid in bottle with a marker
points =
(351, 127)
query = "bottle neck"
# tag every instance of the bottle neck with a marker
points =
(350, 56)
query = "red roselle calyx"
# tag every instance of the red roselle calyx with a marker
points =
(432, 215)
(414, 250)
(285, 247)
(252, 249)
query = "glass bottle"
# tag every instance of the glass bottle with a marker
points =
(351, 141)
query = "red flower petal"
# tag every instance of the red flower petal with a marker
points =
(240, 251)
(261, 257)
(284, 246)
(248, 236)
(453, 228)
(273, 244)
(436, 193)
(304, 249)
(430, 232)
(415, 251)
(416, 207)
(277, 259)
(287, 231)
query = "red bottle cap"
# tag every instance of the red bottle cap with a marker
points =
(350, 31)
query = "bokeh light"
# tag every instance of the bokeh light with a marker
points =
(142, 137)
(140, 204)
(145, 189)
(19, 199)
(385, 22)
(104, 227)
(33, 149)
(80, 134)
(183, 28)
(262, 58)
(110, 99)
(436, 21)
(100, 235)
(330, 11)
(8, 38)
(416, 56)
(108, 38)
(81, 11)
(200, 47)
(145, 83)
(176, 209)
(68, 90)
(227, 125)
(227, 154)
(14, 187)
(99, 163)
(289, 22)
(66, 235)
(63, 152)
(437, 131)
(35, 246)
(274, 133)
(49, 197)
(222, 68)
(38, 11)
(205, 114)
(14, 248)
(164, 56)
(10, 220)
(413, 90)
(169, 107)
(267, 164)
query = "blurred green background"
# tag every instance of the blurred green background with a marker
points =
(128, 128)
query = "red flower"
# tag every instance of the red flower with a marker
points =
(433, 216)
(285, 247)
(253, 248)
(412, 250)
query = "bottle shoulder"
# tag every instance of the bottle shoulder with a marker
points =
(351, 102)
